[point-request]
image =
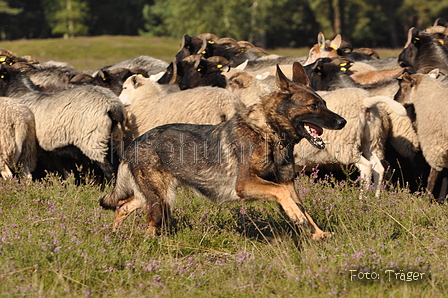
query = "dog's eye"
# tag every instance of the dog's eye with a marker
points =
(313, 106)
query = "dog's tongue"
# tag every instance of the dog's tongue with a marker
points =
(313, 130)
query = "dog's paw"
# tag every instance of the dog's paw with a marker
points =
(151, 231)
(322, 235)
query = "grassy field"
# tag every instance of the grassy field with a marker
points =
(56, 241)
(95, 52)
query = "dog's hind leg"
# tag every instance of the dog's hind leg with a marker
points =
(122, 212)
(157, 213)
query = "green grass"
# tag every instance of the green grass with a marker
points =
(95, 52)
(55, 240)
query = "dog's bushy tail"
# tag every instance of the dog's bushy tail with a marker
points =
(122, 190)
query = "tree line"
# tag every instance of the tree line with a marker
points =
(266, 23)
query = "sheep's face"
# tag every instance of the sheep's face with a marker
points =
(323, 48)
(407, 87)
(129, 87)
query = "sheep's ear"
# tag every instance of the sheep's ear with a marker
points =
(103, 75)
(136, 81)
(406, 77)
(336, 42)
(156, 77)
(321, 40)
(434, 73)
(243, 65)
(299, 74)
(82, 78)
(262, 76)
(237, 82)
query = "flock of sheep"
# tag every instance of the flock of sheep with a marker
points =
(55, 116)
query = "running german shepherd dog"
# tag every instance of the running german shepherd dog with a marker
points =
(250, 156)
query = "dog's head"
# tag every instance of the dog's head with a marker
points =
(296, 111)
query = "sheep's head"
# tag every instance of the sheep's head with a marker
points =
(203, 72)
(129, 86)
(324, 48)
(407, 85)
(424, 51)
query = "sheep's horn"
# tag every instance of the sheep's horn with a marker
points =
(22, 66)
(184, 37)
(191, 58)
(7, 57)
(28, 59)
(368, 51)
(440, 22)
(208, 36)
(218, 60)
(257, 50)
(225, 40)
(197, 61)
(203, 47)
(245, 44)
(436, 29)
(410, 34)
(7, 53)
(174, 75)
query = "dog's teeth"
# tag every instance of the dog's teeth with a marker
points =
(307, 128)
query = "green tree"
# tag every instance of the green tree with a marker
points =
(6, 10)
(67, 17)
(116, 17)
(268, 23)
(177, 17)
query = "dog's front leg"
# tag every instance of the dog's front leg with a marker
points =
(258, 188)
(316, 232)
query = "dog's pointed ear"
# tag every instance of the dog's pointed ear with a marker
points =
(283, 84)
(299, 74)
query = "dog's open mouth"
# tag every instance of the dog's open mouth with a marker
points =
(314, 133)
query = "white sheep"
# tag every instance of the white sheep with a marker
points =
(147, 63)
(17, 138)
(249, 87)
(85, 117)
(427, 94)
(148, 105)
(360, 142)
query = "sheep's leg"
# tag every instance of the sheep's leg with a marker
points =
(432, 179)
(27, 173)
(443, 186)
(6, 172)
(378, 174)
(106, 167)
(365, 169)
